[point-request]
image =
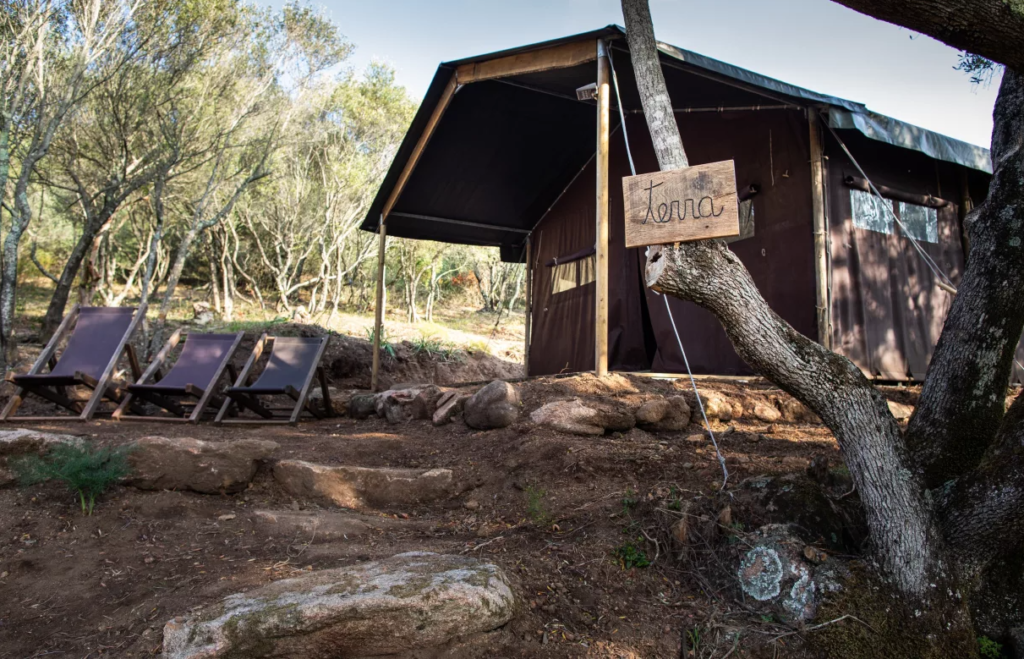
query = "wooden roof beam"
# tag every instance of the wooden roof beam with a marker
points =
(557, 57)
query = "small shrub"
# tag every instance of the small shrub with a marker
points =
(82, 469)
(989, 649)
(629, 501)
(631, 556)
(385, 344)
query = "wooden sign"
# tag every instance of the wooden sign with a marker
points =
(681, 205)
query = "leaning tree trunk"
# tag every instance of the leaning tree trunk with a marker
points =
(907, 544)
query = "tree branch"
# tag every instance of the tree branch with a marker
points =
(991, 28)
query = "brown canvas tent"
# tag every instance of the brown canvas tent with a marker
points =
(502, 152)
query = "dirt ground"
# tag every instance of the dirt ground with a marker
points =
(558, 512)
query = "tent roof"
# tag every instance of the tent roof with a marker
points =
(502, 152)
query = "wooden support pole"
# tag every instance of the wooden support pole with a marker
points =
(378, 319)
(603, 220)
(821, 296)
(529, 306)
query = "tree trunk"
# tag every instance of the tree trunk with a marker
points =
(963, 399)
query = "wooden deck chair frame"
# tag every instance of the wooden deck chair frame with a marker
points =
(101, 388)
(205, 395)
(250, 402)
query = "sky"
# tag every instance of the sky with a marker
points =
(815, 44)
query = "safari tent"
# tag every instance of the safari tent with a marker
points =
(504, 152)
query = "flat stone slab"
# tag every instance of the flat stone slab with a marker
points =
(362, 487)
(394, 606)
(182, 463)
(309, 526)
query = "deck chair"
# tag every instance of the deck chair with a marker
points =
(293, 363)
(100, 336)
(200, 366)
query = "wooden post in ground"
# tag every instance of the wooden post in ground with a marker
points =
(603, 220)
(378, 312)
(821, 296)
(529, 306)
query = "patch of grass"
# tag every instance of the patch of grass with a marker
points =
(385, 344)
(477, 346)
(434, 347)
(989, 649)
(536, 509)
(630, 555)
(82, 469)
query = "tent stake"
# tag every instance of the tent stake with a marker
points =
(821, 296)
(378, 319)
(601, 265)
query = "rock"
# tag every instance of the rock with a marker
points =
(362, 487)
(716, 406)
(339, 399)
(775, 570)
(396, 406)
(676, 417)
(182, 463)
(202, 314)
(1017, 642)
(424, 404)
(6, 478)
(570, 416)
(321, 526)
(394, 606)
(793, 411)
(652, 411)
(900, 411)
(362, 406)
(22, 441)
(448, 405)
(765, 411)
(494, 406)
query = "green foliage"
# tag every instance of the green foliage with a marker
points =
(630, 555)
(989, 649)
(629, 501)
(434, 347)
(385, 344)
(981, 69)
(536, 509)
(81, 468)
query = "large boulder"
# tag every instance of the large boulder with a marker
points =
(183, 463)
(494, 406)
(396, 405)
(666, 414)
(389, 607)
(763, 410)
(716, 406)
(362, 487)
(569, 416)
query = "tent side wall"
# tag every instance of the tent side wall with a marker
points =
(887, 311)
(563, 321)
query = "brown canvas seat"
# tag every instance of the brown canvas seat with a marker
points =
(100, 336)
(195, 374)
(289, 371)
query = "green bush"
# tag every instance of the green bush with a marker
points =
(630, 556)
(989, 649)
(81, 468)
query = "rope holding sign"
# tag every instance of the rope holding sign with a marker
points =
(668, 309)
